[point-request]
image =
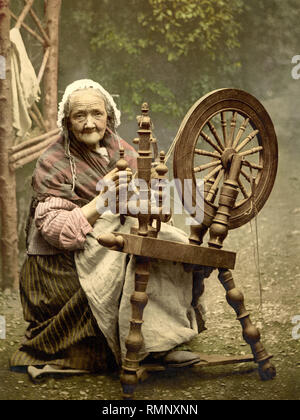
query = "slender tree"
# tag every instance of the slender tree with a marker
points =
(8, 205)
(52, 15)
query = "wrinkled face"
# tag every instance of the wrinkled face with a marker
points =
(88, 117)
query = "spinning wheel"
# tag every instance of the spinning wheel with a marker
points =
(223, 123)
(228, 138)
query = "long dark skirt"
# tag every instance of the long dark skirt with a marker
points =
(62, 330)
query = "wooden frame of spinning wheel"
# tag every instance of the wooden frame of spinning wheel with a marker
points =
(145, 245)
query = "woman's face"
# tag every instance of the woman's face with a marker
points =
(88, 117)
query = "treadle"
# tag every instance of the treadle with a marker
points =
(206, 360)
(217, 359)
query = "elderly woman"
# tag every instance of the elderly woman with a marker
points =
(75, 321)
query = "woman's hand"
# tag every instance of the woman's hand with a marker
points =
(111, 187)
(113, 190)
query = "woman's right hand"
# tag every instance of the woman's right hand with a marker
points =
(109, 188)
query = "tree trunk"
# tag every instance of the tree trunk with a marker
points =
(8, 204)
(52, 15)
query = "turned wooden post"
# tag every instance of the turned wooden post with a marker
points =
(164, 213)
(251, 333)
(139, 298)
(8, 203)
(134, 340)
(228, 194)
(218, 232)
(144, 161)
(197, 232)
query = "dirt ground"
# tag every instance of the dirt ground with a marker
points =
(279, 266)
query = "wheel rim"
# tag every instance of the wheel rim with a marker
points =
(218, 124)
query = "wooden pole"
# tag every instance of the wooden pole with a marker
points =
(39, 25)
(43, 65)
(34, 117)
(39, 115)
(28, 29)
(26, 153)
(32, 142)
(8, 204)
(24, 13)
(52, 14)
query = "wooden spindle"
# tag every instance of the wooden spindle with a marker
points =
(229, 192)
(212, 173)
(224, 127)
(252, 151)
(247, 140)
(206, 153)
(122, 163)
(214, 188)
(232, 128)
(209, 141)
(215, 134)
(240, 132)
(207, 165)
(144, 162)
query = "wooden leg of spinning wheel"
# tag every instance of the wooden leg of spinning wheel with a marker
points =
(250, 333)
(134, 341)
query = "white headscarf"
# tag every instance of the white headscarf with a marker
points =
(85, 84)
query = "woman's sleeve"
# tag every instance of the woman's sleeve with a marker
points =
(62, 223)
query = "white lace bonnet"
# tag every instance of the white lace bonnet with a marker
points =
(85, 84)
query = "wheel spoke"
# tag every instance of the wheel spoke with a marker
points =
(251, 151)
(214, 187)
(247, 140)
(209, 141)
(224, 127)
(232, 128)
(240, 132)
(243, 189)
(245, 175)
(207, 165)
(212, 173)
(206, 153)
(249, 158)
(215, 134)
(252, 165)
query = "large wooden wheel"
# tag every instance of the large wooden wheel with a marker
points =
(220, 124)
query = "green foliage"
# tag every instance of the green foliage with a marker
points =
(269, 38)
(160, 51)
(171, 52)
(188, 26)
